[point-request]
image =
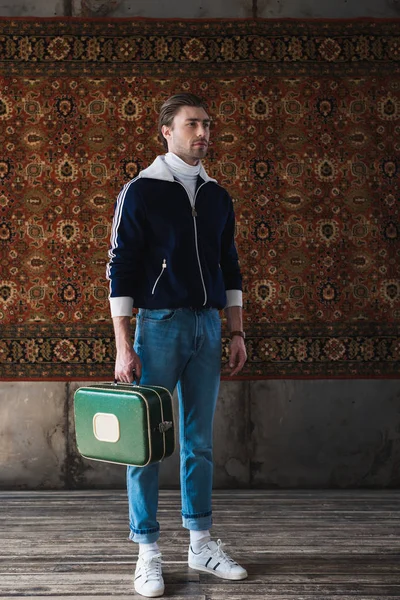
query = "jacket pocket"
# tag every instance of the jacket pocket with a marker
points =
(163, 267)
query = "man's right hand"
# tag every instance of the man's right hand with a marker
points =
(128, 366)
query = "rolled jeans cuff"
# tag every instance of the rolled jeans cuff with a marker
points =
(146, 536)
(197, 523)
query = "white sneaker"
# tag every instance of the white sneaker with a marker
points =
(148, 576)
(212, 559)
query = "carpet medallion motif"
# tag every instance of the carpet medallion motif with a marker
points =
(306, 130)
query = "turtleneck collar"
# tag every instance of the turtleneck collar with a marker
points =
(180, 167)
(160, 170)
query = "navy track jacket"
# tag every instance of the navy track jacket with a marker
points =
(167, 254)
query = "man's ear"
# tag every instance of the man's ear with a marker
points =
(166, 131)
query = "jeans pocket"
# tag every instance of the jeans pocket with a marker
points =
(214, 312)
(159, 314)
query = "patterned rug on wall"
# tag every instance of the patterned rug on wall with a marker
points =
(306, 137)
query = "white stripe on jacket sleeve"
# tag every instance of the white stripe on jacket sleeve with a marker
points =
(114, 229)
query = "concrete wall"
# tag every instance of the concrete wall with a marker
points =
(202, 8)
(268, 433)
(239, 8)
(293, 434)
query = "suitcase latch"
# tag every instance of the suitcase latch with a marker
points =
(164, 426)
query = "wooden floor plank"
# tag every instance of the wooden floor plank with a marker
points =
(333, 568)
(295, 544)
(175, 594)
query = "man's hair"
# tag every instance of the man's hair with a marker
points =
(170, 108)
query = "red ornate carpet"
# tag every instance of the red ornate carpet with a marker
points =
(306, 138)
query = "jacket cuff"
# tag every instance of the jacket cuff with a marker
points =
(234, 298)
(121, 306)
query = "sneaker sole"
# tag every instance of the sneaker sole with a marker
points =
(156, 594)
(232, 577)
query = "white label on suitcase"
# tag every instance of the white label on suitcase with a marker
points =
(106, 427)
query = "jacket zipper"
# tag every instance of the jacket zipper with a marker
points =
(194, 215)
(164, 266)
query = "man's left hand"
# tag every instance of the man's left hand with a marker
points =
(237, 355)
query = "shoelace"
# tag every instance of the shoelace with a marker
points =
(221, 554)
(152, 567)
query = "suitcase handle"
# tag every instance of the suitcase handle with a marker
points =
(120, 383)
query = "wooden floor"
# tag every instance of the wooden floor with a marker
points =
(295, 546)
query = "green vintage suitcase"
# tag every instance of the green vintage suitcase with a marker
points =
(124, 424)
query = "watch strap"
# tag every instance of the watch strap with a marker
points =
(240, 333)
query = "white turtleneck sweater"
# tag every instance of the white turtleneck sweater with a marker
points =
(187, 175)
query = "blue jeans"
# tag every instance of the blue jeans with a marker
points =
(179, 347)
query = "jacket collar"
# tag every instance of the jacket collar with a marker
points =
(159, 170)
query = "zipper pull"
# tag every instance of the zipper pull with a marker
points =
(194, 213)
(163, 266)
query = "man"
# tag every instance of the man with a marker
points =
(173, 257)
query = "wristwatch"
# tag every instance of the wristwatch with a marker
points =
(240, 333)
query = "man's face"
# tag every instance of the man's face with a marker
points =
(189, 134)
